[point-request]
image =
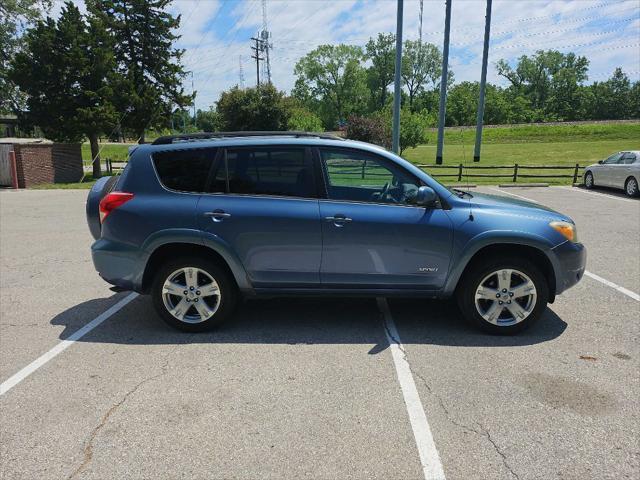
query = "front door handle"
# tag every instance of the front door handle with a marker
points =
(338, 220)
(217, 215)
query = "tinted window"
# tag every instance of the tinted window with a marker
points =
(184, 170)
(629, 158)
(613, 159)
(366, 178)
(273, 171)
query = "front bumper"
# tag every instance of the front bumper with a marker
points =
(119, 264)
(570, 263)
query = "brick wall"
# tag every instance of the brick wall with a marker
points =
(48, 163)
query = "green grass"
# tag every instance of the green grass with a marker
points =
(564, 145)
(118, 152)
(86, 184)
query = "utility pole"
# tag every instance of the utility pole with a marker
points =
(241, 71)
(483, 83)
(257, 49)
(396, 86)
(194, 97)
(443, 83)
(420, 21)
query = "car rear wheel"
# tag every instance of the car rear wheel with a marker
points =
(193, 294)
(588, 180)
(631, 187)
(503, 296)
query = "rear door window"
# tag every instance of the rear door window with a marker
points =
(278, 171)
(185, 170)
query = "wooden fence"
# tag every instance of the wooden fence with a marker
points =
(512, 172)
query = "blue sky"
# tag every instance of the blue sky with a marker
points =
(216, 33)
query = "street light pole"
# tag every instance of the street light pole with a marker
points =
(443, 83)
(397, 85)
(483, 83)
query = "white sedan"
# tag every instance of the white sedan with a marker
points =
(620, 170)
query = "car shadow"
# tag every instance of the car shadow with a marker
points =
(306, 321)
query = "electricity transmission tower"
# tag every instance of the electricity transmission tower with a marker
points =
(265, 37)
(241, 71)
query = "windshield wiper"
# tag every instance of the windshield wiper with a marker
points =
(461, 193)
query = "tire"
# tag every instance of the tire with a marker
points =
(631, 187)
(204, 306)
(588, 181)
(530, 304)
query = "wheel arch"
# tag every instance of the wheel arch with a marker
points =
(192, 242)
(528, 251)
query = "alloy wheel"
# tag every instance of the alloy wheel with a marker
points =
(505, 297)
(191, 295)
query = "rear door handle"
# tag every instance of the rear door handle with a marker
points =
(338, 220)
(217, 215)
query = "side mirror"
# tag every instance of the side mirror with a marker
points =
(425, 196)
(600, 162)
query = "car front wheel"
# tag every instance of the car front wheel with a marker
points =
(193, 294)
(588, 180)
(503, 296)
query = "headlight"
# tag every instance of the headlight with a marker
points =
(566, 229)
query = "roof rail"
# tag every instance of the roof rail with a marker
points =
(188, 137)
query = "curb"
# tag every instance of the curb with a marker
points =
(460, 185)
(513, 185)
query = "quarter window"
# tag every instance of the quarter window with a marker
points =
(361, 177)
(184, 170)
(270, 171)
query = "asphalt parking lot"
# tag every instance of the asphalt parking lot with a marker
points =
(299, 388)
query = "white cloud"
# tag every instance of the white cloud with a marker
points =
(216, 32)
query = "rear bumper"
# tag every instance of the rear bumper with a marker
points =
(570, 262)
(119, 264)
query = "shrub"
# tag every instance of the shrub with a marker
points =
(369, 129)
(303, 120)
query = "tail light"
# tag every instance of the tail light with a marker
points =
(111, 201)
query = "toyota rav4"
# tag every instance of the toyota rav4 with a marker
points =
(199, 221)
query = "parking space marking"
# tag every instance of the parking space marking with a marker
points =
(627, 292)
(513, 195)
(429, 457)
(599, 194)
(589, 274)
(63, 345)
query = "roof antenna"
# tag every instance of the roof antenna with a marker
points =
(466, 175)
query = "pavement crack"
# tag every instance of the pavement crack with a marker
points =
(88, 449)
(487, 434)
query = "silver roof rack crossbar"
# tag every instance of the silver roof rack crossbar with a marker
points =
(190, 137)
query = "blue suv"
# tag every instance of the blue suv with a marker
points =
(199, 221)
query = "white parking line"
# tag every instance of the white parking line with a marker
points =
(628, 293)
(604, 281)
(429, 458)
(598, 194)
(63, 345)
(513, 195)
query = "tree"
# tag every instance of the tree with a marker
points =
(15, 17)
(259, 108)
(149, 86)
(381, 52)
(65, 71)
(208, 120)
(610, 100)
(421, 65)
(550, 80)
(332, 82)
